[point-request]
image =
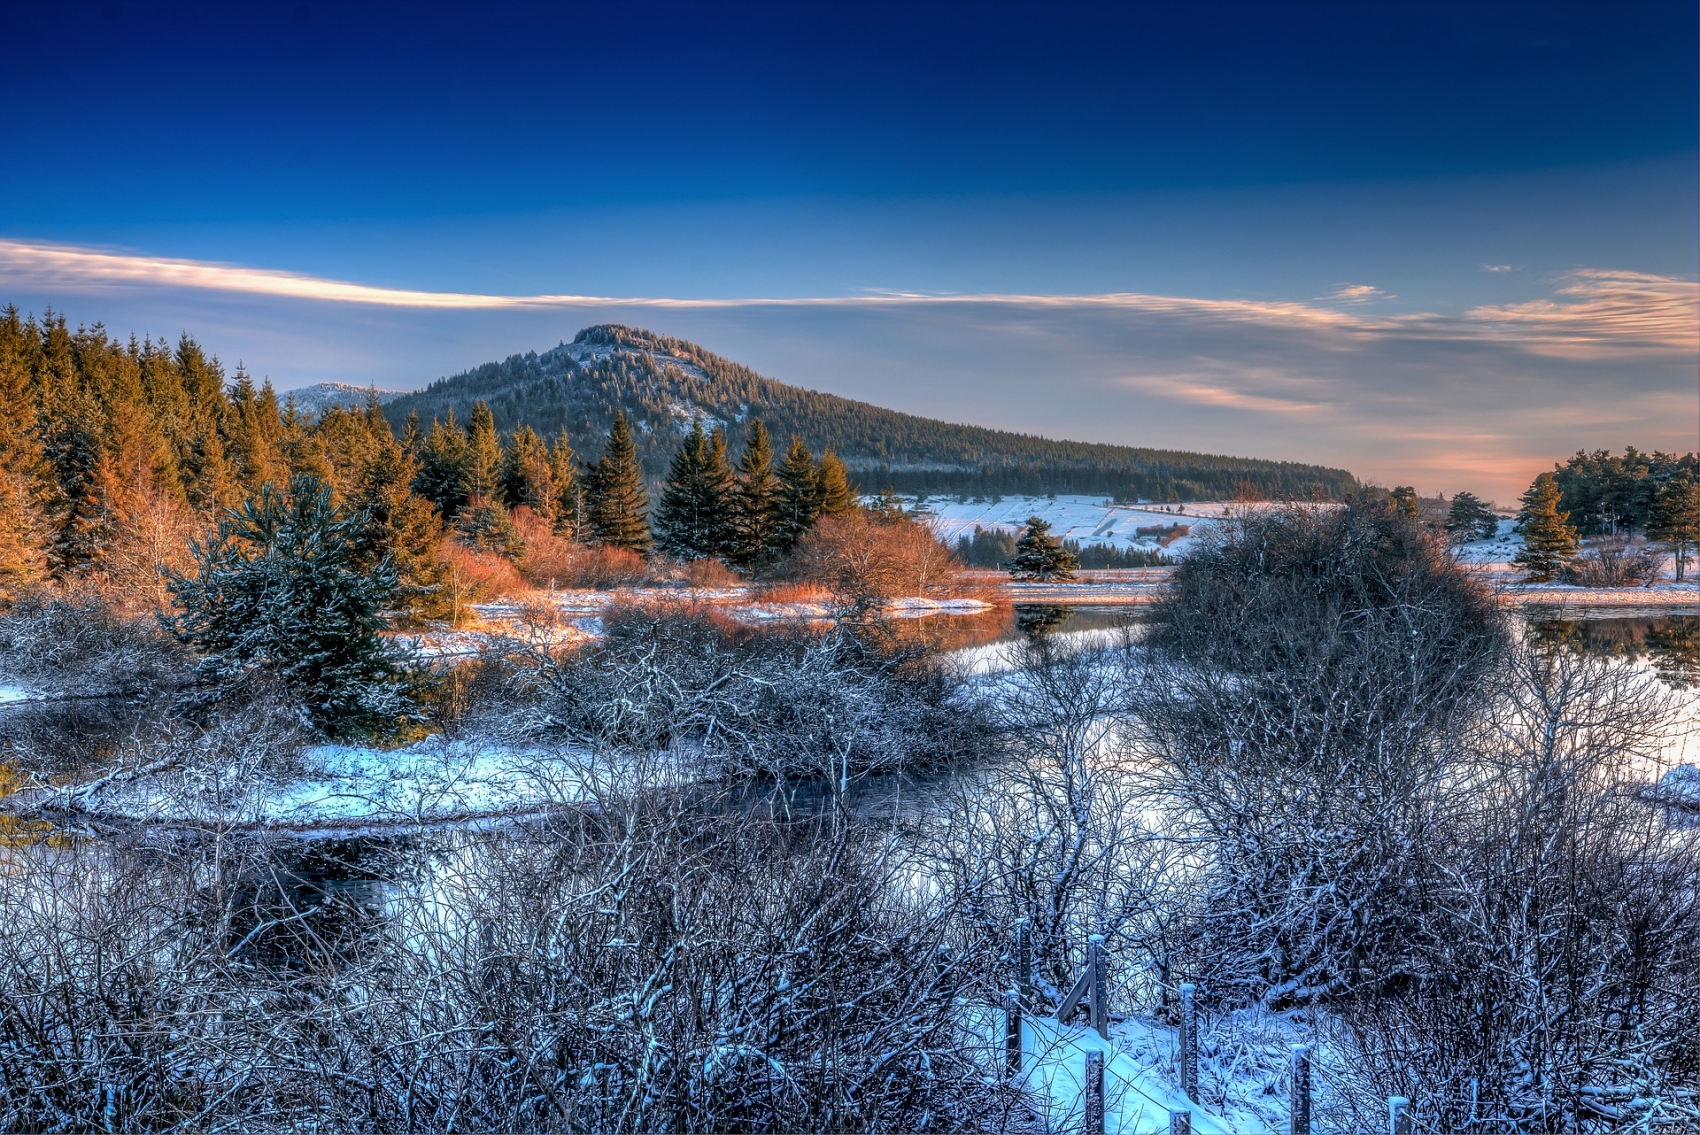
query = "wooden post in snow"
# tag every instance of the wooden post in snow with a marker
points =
(1100, 994)
(1189, 1042)
(1180, 1121)
(1298, 1121)
(1399, 1120)
(1012, 1030)
(1093, 1094)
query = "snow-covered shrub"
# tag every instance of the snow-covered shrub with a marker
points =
(1612, 562)
(1555, 982)
(1310, 673)
(1057, 830)
(782, 704)
(79, 643)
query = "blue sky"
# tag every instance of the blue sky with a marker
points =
(1434, 243)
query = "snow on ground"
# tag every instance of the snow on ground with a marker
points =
(14, 694)
(1681, 785)
(1137, 1094)
(1090, 520)
(349, 787)
(1502, 548)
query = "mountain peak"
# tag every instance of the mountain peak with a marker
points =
(662, 384)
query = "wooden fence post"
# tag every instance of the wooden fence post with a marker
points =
(1189, 1042)
(1180, 1121)
(1094, 1093)
(1299, 1113)
(1399, 1120)
(1012, 1031)
(1100, 995)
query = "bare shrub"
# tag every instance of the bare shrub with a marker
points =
(735, 701)
(870, 559)
(471, 576)
(1055, 831)
(78, 642)
(710, 574)
(657, 963)
(1310, 671)
(1611, 562)
(1555, 984)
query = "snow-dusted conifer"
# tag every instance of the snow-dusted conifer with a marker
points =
(1039, 555)
(280, 588)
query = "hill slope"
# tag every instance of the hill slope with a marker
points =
(662, 384)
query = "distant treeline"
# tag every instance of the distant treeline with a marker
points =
(662, 384)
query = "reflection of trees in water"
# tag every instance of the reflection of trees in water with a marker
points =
(1671, 644)
(1036, 621)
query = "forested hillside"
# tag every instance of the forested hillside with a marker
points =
(662, 384)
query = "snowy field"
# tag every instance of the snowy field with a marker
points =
(1090, 520)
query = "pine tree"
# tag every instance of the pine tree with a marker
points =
(694, 516)
(1548, 540)
(527, 476)
(1039, 555)
(563, 474)
(752, 501)
(616, 500)
(1470, 519)
(401, 527)
(1675, 519)
(281, 587)
(837, 495)
(485, 525)
(483, 477)
(23, 469)
(797, 498)
(442, 466)
(1405, 500)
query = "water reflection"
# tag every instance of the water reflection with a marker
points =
(1670, 644)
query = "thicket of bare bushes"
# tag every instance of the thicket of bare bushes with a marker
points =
(78, 642)
(657, 963)
(867, 557)
(781, 704)
(1424, 823)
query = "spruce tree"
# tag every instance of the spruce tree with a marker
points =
(796, 499)
(752, 499)
(1548, 540)
(691, 521)
(527, 476)
(442, 466)
(720, 487)
(837, 495)
(1041, 556)
(401, 527)
(485, 525)
(616, 500)
(281, 587)
(23, 469)
(563, 474)
(1405, 500)
(483, 470)
(1470, 519)
(1674, 518)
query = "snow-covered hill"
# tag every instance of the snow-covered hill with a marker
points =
(314, 400)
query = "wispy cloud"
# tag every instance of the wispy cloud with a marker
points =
(1598, 310)
(1358, 293)
(1496, 267)
(1592, 310)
